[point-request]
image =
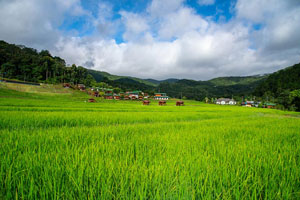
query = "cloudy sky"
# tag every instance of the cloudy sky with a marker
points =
(195, 39)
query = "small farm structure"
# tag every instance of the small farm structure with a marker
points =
(117, 96)
(160, 96)
(109, 94)
(146, 102)
(81, 87)
(126, 97)
(250, 103)
(225, 101)
(96, 94)
(134, 94)
(179, 103)
(66, 85)
(141, 97)
(162, 103)
(92, 100)
(269, 105)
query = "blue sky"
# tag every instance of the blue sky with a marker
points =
(195, 39)
(220, 11)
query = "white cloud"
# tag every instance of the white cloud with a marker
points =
(206, 2)
(169, 39)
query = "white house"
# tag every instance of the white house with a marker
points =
(226, 101)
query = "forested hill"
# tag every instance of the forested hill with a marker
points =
(218, 87)
(27, 64)
(283, 86)
(287, 79)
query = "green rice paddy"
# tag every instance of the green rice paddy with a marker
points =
(57, 146)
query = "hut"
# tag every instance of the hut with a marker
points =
(141, 97)
(117, 96)
(126, 97)
(269, 105)
(109, 94)
(66, 85)
(162, 103)
(146, 102)
(81, 87)
(96, 94)
(92, 100)
(179, 103)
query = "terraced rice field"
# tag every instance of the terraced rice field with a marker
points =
(60, 147)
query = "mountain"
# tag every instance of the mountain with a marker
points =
(237, 80)
(282, 80)
(282, 87)
(218, 87)
(157, 82)
(100, 76)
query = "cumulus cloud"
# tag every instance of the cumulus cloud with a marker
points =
(35, 22)
(168, 39)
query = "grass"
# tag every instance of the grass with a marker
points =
(57, 146)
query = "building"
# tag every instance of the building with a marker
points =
(134, 94)
(250, 103)
(179, 103)
(109, 94)
(117, 96)
(225, 101)
(269, 105)
(161, 96)
(162, 103)
(146, 102)
(81, 87)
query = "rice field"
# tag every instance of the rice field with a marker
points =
(57, 146)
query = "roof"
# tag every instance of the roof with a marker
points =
(270, 104)
(134, 92)
(225, 99)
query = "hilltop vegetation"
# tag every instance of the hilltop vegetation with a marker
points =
(218, 87)
(23, 63)
(284, 86)
(57, 146)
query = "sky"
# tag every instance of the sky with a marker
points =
(193, 39)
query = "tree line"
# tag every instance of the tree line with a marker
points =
(27, 64)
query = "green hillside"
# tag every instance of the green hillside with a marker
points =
(101, 76)
(237, 80)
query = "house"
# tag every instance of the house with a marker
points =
(179, 103)
(161, 96)
(117, 96)
(134, 94)
(108, 94)
(146, 102)
(66, 85)
(162, 103)
(250, 103)
(81, 87)
(269, 105)
(92, 100)
(96, 94)
(141, 97)
(225, 101)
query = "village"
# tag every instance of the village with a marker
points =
(109, 94)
